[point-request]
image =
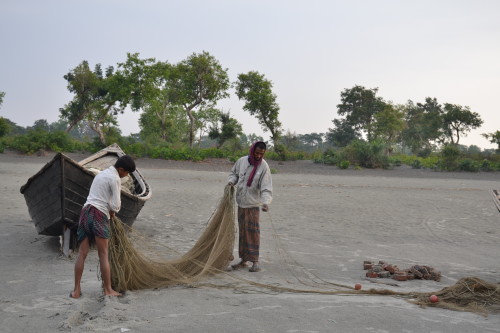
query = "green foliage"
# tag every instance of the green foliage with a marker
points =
(469, 165)
(342, 133)
(329, 156)
(423, 126)
(367, 154)
(96, 98)
(487, 165)
(40, 140)
(395, 161)
(344, 164)
(260, 101)
(359, 107)
(459, 120)
(416, 164)
(5, 127)
(493, 138)
(200, 81)
(273, 171)
(281, 152)
(449, 157)
(230, 128)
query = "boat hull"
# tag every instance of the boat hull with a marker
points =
(56, 194)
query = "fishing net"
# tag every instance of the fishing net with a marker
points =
(134, 268)
(468, 294)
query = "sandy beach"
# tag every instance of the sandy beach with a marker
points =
(323, 223)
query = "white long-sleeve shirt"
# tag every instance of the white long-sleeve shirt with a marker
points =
(261, 190)
(105, 191)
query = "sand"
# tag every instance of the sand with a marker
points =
(327, 220)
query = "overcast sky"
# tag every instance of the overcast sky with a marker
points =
(310, 50)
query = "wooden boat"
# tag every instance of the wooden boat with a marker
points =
(56, 194)
(496, 198)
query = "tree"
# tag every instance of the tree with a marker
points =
(198, 82)
(359, 107)
(424, 126)
(342, 133)
(171, 125)
(260, 101)
(248, 140)
(312, 140)
(230, 129)
(389, 124)
(148, 87)
(5, 127)
(40, 124)
(95, 99)
(459, 120)
(207, 118)
(81, 131)
(494, 138)
(290, 141)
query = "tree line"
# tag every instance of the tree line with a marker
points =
(418, 127)
(177, 102)
(177, 105)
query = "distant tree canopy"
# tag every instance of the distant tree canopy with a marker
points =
(260, 101)
(358, 107)
(458, 120)
(419, 127)
(229, 129)
(493, 138)
(424, 126)
(162, 91)
(96, 99)
(4, 125)
(178, 105)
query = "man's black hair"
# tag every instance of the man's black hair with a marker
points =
(260, 145)
(126, 162)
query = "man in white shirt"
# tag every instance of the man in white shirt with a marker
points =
(254, 189)
(102, 203)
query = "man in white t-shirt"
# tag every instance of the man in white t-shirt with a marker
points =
(102, 203)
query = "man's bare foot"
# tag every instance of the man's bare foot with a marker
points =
(113, 293)
(75, 294)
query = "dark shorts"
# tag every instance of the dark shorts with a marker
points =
(93, 223)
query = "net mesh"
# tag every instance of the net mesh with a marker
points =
(132, 269)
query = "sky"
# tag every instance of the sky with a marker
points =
(310, 50)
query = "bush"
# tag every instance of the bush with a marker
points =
(486, 165)
(367, 154)
(416, 164)
(449, 157)
(38, 140)
(469, 165)
(344, 164)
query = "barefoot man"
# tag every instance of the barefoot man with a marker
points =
(93, 227)
(254, 189)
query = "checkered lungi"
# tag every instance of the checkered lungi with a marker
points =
(93, 223)
(249, 233)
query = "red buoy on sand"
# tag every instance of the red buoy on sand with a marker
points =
(357, 286)
(434, 299)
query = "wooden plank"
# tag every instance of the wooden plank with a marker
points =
(496, 198)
